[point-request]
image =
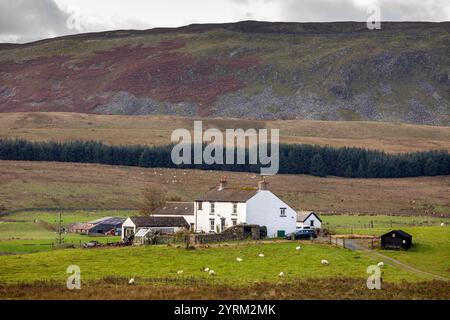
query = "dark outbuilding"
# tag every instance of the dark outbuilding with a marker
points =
(396, 240)
(108, 226)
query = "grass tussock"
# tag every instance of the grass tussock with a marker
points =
(331, 288)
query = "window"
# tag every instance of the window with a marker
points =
(282, 212)
(211, 225)
(311, 223)
(213, 207)
(234, 222)
(235, 208)
(199, 205)
(222, 224)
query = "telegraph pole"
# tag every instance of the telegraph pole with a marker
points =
(60, 238)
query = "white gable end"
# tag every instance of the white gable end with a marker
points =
(266, 209)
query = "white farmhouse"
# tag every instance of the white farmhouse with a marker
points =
(308, 219)
(222, 207)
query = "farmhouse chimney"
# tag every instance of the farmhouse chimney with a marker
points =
(223, 183)
(262, 185)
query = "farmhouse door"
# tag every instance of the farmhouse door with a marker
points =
(222, 224)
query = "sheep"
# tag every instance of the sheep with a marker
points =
(238, 259)
(380, 264)
(206, 269)
(442, 224)
(211, 272)
(180, 272)
(261, 255)
(281, 274)
(298, 248)
(131, 281)
(324, 262)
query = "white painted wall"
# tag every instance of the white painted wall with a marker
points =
(128, 223)
(307, 222)
(222, 210)
(264, 209)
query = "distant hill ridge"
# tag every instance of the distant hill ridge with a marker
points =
(249, 69)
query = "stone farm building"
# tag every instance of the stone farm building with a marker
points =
(162, 224)
(177, 209)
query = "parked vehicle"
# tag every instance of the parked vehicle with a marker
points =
(301, 234)
(91, 244)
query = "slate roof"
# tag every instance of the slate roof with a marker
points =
(303, 215)
(162, 222)
(176, 208)
(401, 233)
(99, 220)
(112, 221)
(228, 195)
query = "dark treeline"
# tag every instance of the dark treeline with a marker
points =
(294, 159)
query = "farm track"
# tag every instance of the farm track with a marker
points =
(353, 246)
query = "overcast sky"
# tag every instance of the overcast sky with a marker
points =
(28, 20)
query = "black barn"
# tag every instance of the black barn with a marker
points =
(396, 239)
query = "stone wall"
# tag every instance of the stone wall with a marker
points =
(239, 232)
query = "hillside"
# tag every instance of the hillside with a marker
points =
(252, 70)
(156, 130)
(53, 184)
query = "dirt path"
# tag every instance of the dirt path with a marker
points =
(354, 246)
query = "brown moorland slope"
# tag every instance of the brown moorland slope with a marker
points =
(156, 130)
(50, 184)
(249, 69)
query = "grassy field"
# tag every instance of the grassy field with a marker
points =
(156, 130)
(159, 263)
(431, 249)
(46, 185)
(376, 224)
(105, 271)
(316, 289)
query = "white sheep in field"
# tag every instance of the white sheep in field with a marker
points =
(324, 262)
(281, 274)
(211, 272)
(239, 259)
(206, 269)
(261, 255)
(298, 248)
(131, 281)
(180, 272)
(380, 264)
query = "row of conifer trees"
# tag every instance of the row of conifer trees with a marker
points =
(293, 159)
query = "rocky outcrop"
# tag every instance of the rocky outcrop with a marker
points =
(326, 71)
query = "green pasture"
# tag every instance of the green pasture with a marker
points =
(163, 262)
(34, 231)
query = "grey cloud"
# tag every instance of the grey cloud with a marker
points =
(347, 10)
(28, 20)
